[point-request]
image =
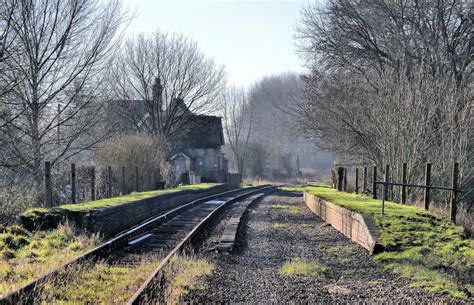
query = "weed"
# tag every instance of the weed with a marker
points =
(30, 257)
(98, 283)
(184, 273)
(291, 208)
(279, 225)
(415, 240)
(300, 267)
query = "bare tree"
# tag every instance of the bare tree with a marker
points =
(369, 36)
(163, 77)
(238, 120)
(391, 82)
(62, 51)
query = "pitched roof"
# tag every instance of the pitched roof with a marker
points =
(202, 131)
(180, 156)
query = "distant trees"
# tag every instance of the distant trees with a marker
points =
(238, 120)
(391, 82)
(157, 74)
(261, 129)
(55, 59)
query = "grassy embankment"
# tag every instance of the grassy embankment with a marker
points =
(108, 202)
(26, 255)
(103, 283)
(430, 250)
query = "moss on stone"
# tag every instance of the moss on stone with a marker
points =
(415, 239)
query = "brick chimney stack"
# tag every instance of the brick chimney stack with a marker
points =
(157, 90)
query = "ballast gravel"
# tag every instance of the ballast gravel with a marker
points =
(279, 229)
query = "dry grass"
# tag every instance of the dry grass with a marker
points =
(290, 208)
(184, 274)
(301, 267)
(279, 226)
(26, 256)
(98, 283)
(430, 250)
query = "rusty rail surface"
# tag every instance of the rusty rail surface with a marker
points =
(144, 294)
(25, 294)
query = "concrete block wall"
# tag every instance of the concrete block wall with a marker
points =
(113, 220)
(360, 228)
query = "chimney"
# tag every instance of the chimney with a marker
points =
(157, 90)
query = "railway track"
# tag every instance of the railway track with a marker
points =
(166, 233)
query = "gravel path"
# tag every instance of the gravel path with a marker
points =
(280, 228)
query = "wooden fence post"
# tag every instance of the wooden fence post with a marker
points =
(426, 198)
(93, 184)
(124, 191)
(136, 179)
(73, 182)
(340, 178)
(454, 194)
(387, 179)
(48, 184)
(357, 181)
(109, 181)
(403, 195)
(365, 180)
(345, 179)
(374, 186)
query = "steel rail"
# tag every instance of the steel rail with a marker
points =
(142, 293)
(24, 293)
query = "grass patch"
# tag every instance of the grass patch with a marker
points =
(25, 256)
(279, 226)
(103, 203)
(430, 250)
(184, 275)
(289, 208)
(299, 267)
(46, 219)
(100, 283)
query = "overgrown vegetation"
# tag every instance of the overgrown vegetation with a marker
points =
(183, 275)
(44, 219)
(99, 283)
(103, 203)
(301, 267)
(25, 256)
(430, 250)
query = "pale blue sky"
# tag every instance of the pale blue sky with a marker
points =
(251, 38)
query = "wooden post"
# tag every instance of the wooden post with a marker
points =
(454, 194)
(403, 195)
(387, 179)
(357, 181)
(365, 180)
(73, 183)
(124, 191)
(92, 183)
(340, 178)
(426, 198)
(374, 186)
(136, 179)
(345, 179)
(48, 185)
(109, 181)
